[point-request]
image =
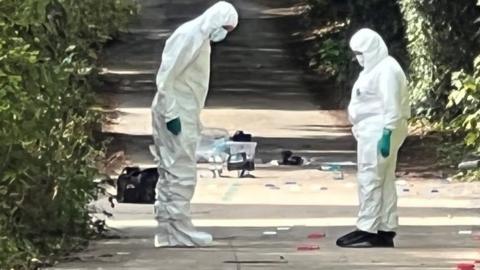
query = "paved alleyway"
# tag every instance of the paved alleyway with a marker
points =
(259, 85)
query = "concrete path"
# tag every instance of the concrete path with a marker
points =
(259, 86)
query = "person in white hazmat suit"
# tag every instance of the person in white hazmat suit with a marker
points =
(379, 110)
(182, 86)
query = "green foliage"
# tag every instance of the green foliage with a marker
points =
(439, 35)
(48, 52)
(385, 18)
(336, 21)
(331, 57)
(445, 82)
(465, 100)
(435, 40)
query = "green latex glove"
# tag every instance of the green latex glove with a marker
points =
(175, 126)
(384, 143)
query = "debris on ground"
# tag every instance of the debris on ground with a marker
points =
(241, 136)
(242, 157)
(272, 186)
(465, 266)
(289, 159)
(281, 261)
(307, 247)
(317, 235)
(336, 169)
(274, 163)
(326, 168)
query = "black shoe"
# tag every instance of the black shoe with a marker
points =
(342, 239)
(359, 239)
(386, 238)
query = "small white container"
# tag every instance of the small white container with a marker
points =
(249, 148)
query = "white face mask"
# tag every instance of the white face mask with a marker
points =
(218, 34)
(360, 59)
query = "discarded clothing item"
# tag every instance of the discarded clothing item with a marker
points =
(240, 136)
(289, 159)
(286, 155)
(274, 163)
(137, 186)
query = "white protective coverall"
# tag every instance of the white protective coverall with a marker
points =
(182, 86)
(379, 100)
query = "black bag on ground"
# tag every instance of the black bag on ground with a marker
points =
(137, 186)
(240, 136)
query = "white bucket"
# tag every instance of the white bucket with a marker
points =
(243, 147)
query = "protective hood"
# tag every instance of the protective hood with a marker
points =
(220, 14)
(371, 45)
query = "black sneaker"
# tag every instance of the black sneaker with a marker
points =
(342, 239)
(359, 239)
(386, 238)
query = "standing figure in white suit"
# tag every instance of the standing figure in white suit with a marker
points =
(379, 110)
(182, 87)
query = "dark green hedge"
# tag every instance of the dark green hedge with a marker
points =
(48, 52)
(436, 41)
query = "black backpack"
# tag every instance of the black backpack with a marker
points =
(240, 136)
(137, 186)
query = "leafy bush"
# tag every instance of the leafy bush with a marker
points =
(48, 52)
(439, 35)
(465, 99)
(435, 40)
(338, 20)
(442, 41)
